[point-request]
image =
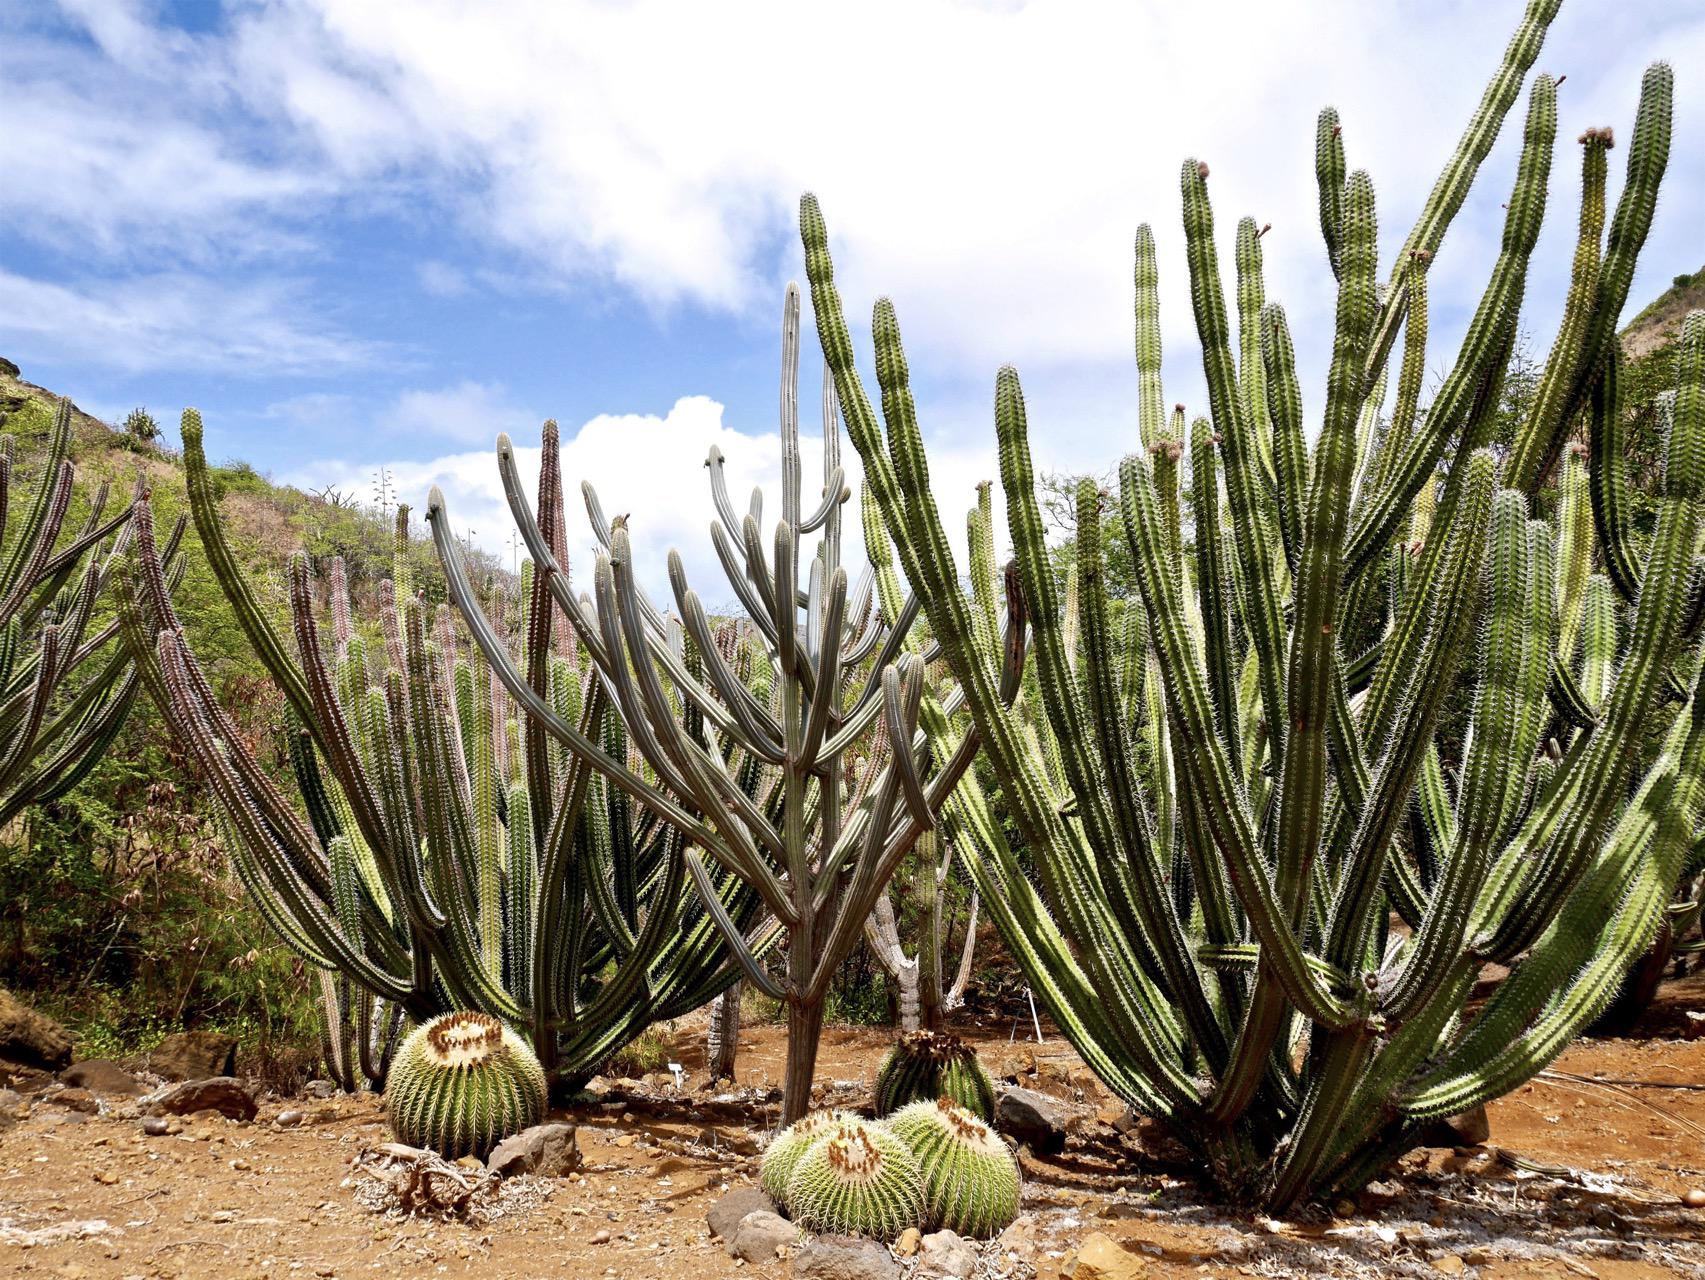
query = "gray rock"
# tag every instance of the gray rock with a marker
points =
(13, 1108)
(289, 1119)
(100, 1076)
(156, 1126)
(320, 1089)
(844, 1258)
(224, 1094)
(194, 1055)
(1033, 1118)
(759, 1235)
(31, 1039)
(724, 1215)
(946, 1253)
(545, 1149)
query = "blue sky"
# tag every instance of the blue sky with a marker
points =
(358, 235)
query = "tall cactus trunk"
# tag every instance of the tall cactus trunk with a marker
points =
(930, 924)
(723, 1039)
(804, 1034)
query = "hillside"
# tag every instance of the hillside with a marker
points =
(1659, 323)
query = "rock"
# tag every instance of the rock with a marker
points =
(1469, 1129)
(156, 1126)
(1694, 1198)
(31, 1039)
(725, 1214)
(1449, 1265)
(908, 1242)
(77, 1100)
(545, 1149)
(225, 1094)
(945, 1253)
(194, 1055)
(100, 1076)
(1101, 1258)
(844, 1258)
(1033, 1118)
(759, 1235)
(289, 1119)
(12, 1107)
(320, 1089)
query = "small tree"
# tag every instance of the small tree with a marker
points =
(140, 426)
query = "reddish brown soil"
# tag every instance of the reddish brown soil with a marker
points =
(231, 1200)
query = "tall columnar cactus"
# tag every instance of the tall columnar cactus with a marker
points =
(65, 687)
(423, 874)
(1269, 1014)
(810, 795)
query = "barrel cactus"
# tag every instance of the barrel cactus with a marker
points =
(926, 1065)
(860, 1179)
(970, 1177)
(783, 1153)
(461, 1083)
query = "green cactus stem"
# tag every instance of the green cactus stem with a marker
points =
(461, 1083)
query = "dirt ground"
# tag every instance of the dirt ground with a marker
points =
(1617, 1130)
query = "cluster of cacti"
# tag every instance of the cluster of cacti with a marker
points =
(783, 1153)
(930, 1165)
(810, 785)
(1245, 778)
(971, 1182)
(926, 1065)
(858, 1178)
(65, 687)
(462, 1082)
(445, 856)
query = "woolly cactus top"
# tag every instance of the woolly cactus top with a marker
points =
(462, 1039)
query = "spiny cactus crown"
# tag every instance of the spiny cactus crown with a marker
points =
(461, 1083)
(857, 1178)
(971, 1181)
(786, 1147)
(926, 1065)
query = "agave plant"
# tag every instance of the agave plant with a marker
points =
(1306, 643)
(810, 795)
(65, 687)
(436, 870)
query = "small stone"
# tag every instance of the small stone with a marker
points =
(1033, 1118)
(156, 1126)
(289, 1119)
(1450, 1264)
(194, 1055)
(227, 1095)
(908, 1242)
(945, 1253)
(1470, 1129)
(1101, 1258)
(77, 1100)
(1344, 1209)
(844, 1258)
(549, 1150)
(760, 1236)
(1694, 1198)
(100, 1076)
(319, 1089)
(601, 1236)
(725, 1214)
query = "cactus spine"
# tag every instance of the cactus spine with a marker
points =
(1266, 1014)
(859, 1179)
(971, 1181)
(785, 1149)
(461, 1083)
(926, 1065)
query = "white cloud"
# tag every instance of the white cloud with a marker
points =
(985, 163)
(471, 412)
(174, 321)
(651, 467)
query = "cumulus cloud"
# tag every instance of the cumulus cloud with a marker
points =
(651, 468)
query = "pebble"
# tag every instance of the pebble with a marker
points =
(1694, 1198)
(156, 1126)
(289, 1119)
(908, 1242)
(598, 1237)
